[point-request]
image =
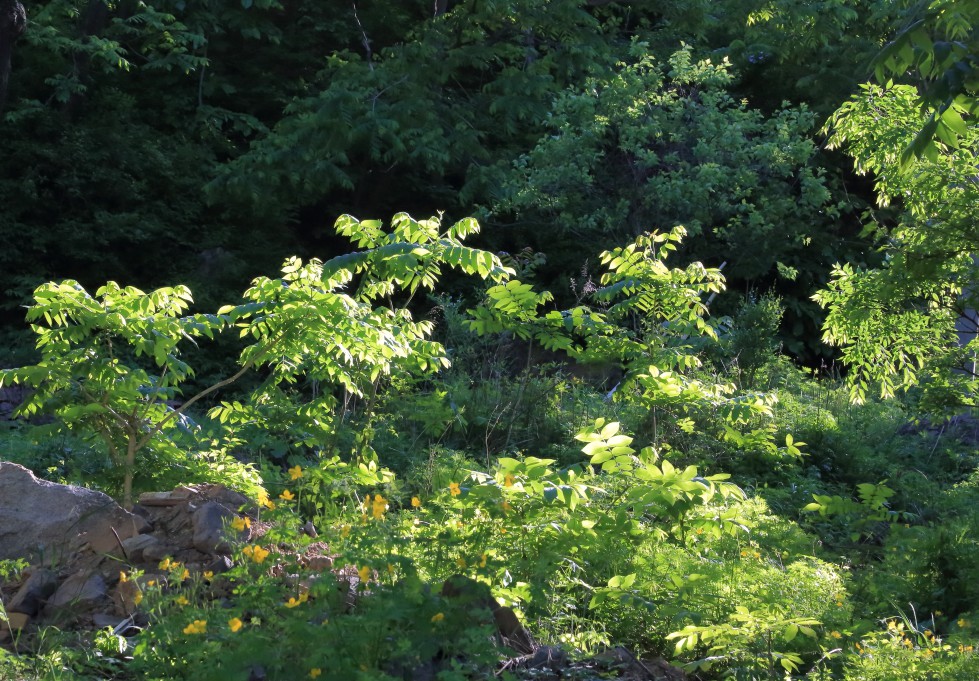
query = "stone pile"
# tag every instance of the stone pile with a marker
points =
(77, 541)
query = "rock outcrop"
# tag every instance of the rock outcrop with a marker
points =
(77, 542)
(47, 523)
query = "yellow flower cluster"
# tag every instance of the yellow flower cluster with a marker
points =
(167, 564)
(416, 502)
(256, 553)
(196, 627)
(293, 601)
(241, 524)
(295, 472)
(287, 496)
(378, 506)
(235, 624)
(454, 489)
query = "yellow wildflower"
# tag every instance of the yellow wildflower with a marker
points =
(152, 582)
(241, 524)
(315, 672)
(235, 624)
(416, 502)
(508, 480)
(364, 573)
(454, 489)
(196, 627)
(287, 495)
(256, 553)
(182, 601)
(166, 564)
(963, 623)
(836, 634)
(208, 575)
(379, 506)
(295, 472)
(185, 574)
(138, 598)
(293, 601)
(123, 577)
(438, 617)
(263, 500)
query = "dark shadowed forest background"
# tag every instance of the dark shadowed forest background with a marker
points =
(742, 232)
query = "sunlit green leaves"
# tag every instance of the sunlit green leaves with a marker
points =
(748, 636)
(896, 324)
(303, 325)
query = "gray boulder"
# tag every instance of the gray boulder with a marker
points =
(45, 521)
(210, 523)
(80, 589)
(31, 596)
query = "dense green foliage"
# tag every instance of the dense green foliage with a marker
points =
(582, 407)
(619, 546)
(203, 142)
(913, 318)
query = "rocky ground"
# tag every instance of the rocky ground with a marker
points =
(77, 543)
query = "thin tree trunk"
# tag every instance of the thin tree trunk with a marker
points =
(93, 21)
(13, 23)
